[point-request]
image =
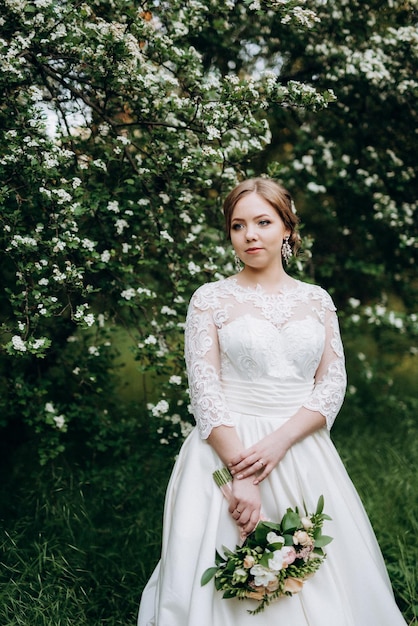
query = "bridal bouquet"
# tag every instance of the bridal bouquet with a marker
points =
(274, 560)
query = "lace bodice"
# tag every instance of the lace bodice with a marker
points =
(282, 340)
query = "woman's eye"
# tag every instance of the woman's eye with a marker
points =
(236, 226)
(264, 222)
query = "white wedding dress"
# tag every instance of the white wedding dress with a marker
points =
(253, 359)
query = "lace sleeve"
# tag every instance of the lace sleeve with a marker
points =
(330, 377)
(203, 366)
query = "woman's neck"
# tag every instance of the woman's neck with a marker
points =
(270, 280)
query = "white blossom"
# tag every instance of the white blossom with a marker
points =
(120, 226)
(18, 344)
(315, 188)
(19, 240)
(88, 244)
(89, 319)
(165, 235)
(160, 408)
(59, 421)
(113, 205)
(128, 294)
(193, 268)
(165, 310)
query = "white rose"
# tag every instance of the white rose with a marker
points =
(302, 538)
(306, 523)
(262, 576)
(274, 538)
(276, 561)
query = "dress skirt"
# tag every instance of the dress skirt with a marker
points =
(351, 588)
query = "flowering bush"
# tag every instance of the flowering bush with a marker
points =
(117, 141)
(275, 560)
(122, 128)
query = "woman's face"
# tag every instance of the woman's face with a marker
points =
(257, 232)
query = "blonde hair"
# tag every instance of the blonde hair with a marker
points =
(276, 195)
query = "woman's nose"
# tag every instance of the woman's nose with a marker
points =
(251, 234)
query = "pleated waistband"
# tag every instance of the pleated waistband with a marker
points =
(270, 399)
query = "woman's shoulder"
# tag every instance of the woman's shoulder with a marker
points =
(319, 294)
(216, 286)
(208, 295)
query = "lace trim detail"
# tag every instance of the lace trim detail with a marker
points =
(328, 394)
(207, 399)
(336, 343)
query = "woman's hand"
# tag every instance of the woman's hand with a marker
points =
(245, 505)
(260, 459)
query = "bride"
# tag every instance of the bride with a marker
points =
(266, 375)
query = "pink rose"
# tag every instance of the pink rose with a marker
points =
(289, 554)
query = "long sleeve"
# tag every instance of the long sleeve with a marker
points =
(330, 377)
(203, 367)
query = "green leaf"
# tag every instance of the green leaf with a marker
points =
(267, 526)
(264, 561)
(288, 539)
(320, 505)
(228, 553)
(208, 575)
(219, 558)
(291, 521)
(322, 541)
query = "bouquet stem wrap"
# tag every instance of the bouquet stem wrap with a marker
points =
(223, 478)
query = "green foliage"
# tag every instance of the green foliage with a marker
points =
(117, 143)
(353, 165)
(79, 535)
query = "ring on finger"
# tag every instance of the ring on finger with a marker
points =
(261, 462)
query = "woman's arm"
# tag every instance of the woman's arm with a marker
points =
(209, 407)
(245, 504)
(261, 458)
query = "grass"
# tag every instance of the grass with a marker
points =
(79, 540)
(383, 466)
(77, 543)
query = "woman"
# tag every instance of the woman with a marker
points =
(267, 379)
